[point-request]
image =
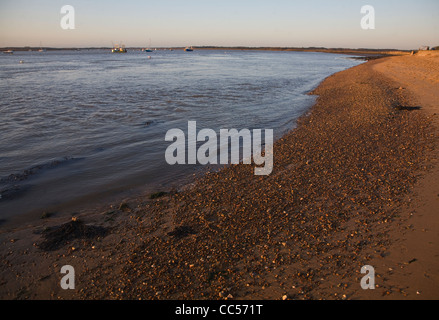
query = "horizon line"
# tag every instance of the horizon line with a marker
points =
(215, 47)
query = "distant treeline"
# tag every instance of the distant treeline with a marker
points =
(362, 51)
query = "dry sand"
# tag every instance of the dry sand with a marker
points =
(354, 184)
(412, 262)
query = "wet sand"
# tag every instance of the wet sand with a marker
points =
(354, 184)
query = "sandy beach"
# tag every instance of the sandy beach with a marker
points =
(356, 183)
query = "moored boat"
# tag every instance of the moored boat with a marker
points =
(41, 48)
(149, 48)
(119, 49)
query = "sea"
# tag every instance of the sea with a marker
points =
(82, 128)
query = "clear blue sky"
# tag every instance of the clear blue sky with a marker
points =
(403, 24)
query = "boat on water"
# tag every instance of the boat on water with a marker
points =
(41, 48)
(149, 48)
(189, 49)
(9, 51)
(119, 49)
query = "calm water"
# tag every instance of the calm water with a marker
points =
(79, 126)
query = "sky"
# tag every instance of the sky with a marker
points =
(399, 24)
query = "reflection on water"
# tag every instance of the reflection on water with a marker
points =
(110, 114)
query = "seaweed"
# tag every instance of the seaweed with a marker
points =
(57, 237)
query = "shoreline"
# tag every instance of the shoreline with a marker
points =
(335, 196)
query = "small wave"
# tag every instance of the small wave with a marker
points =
(25, 174)
(13, 192)
(150, 123)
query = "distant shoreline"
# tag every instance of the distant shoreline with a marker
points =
(360, 51)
